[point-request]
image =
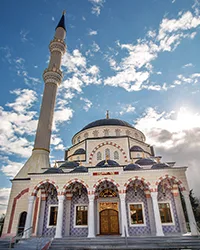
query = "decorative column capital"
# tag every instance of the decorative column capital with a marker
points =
(154, 195)
(61, 198)
(31, 199)
(91, 197)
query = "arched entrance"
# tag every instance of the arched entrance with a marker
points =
(109, 222)
(22, 221)
(107, 202)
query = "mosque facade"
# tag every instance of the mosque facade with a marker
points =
(109, 183)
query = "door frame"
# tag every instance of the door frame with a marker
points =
(100, 200)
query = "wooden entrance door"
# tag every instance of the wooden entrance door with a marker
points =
(109, 222)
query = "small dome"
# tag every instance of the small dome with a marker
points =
(69, 164)
(160, 165)
(132, 167)
(79, 151)
(107, 163)
(53, 171)
(136, 149)
(145, 161)
(79, 169)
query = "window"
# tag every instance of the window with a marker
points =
(78, 139)
(106, 132)
(81, 215)
(53, 211)
(95, 133)
(165, 212)
(136, 214)
(116, 155)
(117, 131)
(128, 132)
(107, 153)
(86, 135)
(99, 156)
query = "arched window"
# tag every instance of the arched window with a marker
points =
(117, 131)
(99, 156)
(79, 139)
(22, 220)
(107, 153)
(116, 155)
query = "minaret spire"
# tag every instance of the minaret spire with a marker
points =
(52, 76)
(62, 21)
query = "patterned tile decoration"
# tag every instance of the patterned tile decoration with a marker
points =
(171, 229)
(83, 199)
(49, 232)
(131, 198)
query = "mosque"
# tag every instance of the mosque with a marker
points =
(109, 183)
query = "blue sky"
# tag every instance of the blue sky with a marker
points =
(138, 59)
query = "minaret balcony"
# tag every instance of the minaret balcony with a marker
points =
(52, 75)
(57, 45)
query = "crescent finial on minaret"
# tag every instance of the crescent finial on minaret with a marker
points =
(64, 12)
(107, 114)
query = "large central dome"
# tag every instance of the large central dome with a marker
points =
(105, 122)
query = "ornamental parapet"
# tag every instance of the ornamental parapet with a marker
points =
(53, 75)
(57, 45)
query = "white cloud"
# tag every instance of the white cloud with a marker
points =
(17, 123)
(92, 32)
(127, 109)
(88, 104)
(23, 35)
(187, 65)
(97, 5)
(176, 136)
(4, 196)
(134, 70)
(53, 18)
(11, 168)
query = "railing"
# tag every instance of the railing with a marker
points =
(19, 236)
(126, 239)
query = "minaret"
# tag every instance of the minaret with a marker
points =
(52, 78)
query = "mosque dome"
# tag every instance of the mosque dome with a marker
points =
(79, 151)
(145, 161)
(107, 122)
(136, 149)
(105, 163)
(53, 171)
(160, 165)
(132, 166)
(69, 164)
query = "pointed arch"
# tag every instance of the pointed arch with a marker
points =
(105, 179)
(37, 187)
(177, 181)
(137, 178)
(73, 181)
(106, 144)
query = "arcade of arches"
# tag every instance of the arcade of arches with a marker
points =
(108, 210)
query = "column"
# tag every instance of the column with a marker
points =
(41, 215)
(29, 217)
(159, 230)
(124, 225)
(59, 224)
(179, 209)
(150, 212)
(193, 225)
(91, 217)
(68, 212)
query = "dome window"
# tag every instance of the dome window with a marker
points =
(116, 155)
(86, 135)
(99, 157)
(95, 133)
(117, 131)
(107, 153)
(79, 139)
(128, 132)
(106, 132)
